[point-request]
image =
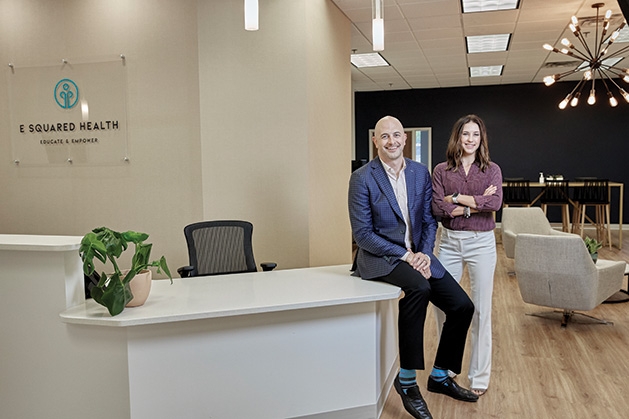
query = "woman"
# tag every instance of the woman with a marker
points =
(467, 189)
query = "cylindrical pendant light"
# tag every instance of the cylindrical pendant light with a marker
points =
(377, 26)
(251, 15)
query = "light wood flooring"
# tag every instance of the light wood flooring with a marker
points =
(539, 370)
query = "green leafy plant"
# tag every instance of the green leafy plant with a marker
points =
(113, 290)
(592, 245)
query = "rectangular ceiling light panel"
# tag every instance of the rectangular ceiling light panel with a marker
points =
(486, 71)
(487, 43)
(472, 6)
(368, 60)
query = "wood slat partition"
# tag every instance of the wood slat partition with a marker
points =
(539, 369)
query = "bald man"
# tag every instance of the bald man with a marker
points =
(394, 229)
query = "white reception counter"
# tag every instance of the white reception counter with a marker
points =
(307, 343)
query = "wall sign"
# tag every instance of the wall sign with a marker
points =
(69, 114)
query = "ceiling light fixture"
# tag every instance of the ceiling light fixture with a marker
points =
(251, 15)
(486, 71)
(372, 59)
(377, 24)
(597, 62)
(471, 6)
(487, 43)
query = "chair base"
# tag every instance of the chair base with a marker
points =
(569, 315)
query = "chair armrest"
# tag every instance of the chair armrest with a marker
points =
(508, 242)
(554, 232)
(268, 266)
(185, 271)
(611, 267)
(610, 277)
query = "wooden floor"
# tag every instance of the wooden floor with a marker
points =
(539, 370)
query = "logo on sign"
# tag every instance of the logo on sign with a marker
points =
(66, 93)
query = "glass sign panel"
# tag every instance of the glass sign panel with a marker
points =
(69, 114)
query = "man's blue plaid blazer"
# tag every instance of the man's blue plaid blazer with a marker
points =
(377, 223)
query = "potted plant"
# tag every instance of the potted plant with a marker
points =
(593, 246)
(113, 290)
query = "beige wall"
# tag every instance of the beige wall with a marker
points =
(276, 126)
(223, 123)
(160, 190)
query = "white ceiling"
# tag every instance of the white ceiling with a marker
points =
(425, 41)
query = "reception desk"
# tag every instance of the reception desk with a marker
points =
(40, 276)
(307, 343)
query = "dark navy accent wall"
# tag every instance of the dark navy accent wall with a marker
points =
(527, 132)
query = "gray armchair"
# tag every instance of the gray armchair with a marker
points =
(531, 220)
(557, 271)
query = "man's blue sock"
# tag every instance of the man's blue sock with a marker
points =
(438, 374)
(408, 379)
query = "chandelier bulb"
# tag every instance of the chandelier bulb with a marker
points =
(626, 79)
(612, 100)
(592, 98)
(575, 21)
(614, 36)
(548, 80)
(567, 43)
(624, 94)
(606, 26)
(608, 14)
(564, 103)
(575, 100)
(587, 75)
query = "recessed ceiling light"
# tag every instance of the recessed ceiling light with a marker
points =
(471, 6)
(486, 71)
(487, 43)
(372, 59)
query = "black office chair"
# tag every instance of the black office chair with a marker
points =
(556, 193)
(220, 247)
(516, 192)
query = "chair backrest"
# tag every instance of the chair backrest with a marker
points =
(516, 220)
(516, 191)
(525, 220)
(577, 192)
(556, 271)
(556, 192)
(220, 247)
(594, 191)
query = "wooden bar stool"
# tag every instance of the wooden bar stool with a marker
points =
(577, 195)
(556, 193)
(594, 193)
(516, 192)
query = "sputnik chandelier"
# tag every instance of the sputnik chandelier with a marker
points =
(596, 62)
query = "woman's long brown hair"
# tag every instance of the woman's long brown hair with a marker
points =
(454, 152)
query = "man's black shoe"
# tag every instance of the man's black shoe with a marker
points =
(413, 401)
(449, 387)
